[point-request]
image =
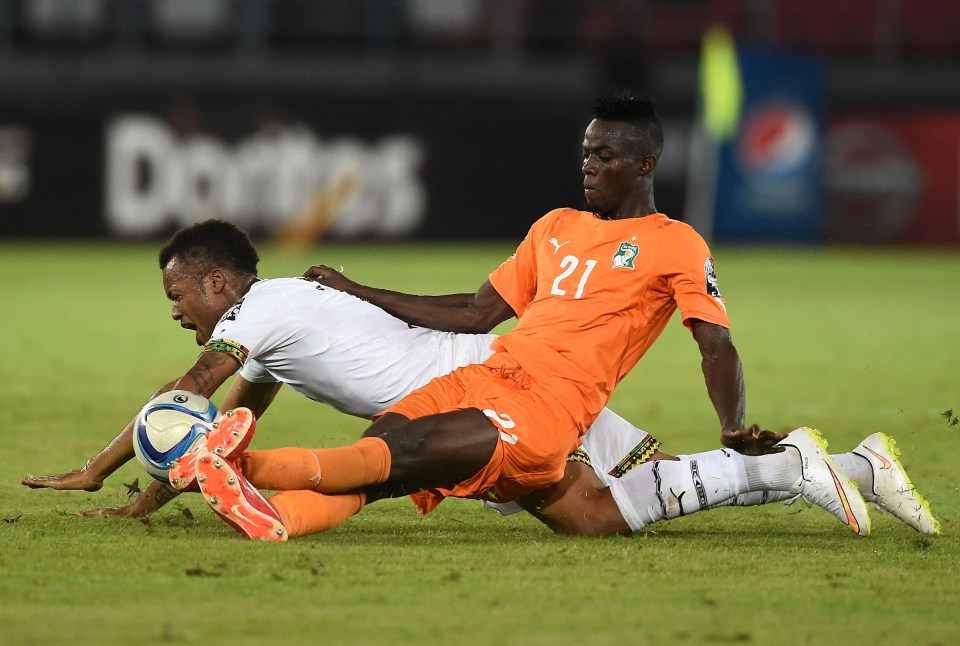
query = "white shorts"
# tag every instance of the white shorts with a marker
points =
(613, 446)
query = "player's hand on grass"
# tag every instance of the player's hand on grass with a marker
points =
(329, 277)
(103, 512)
(133, 510)
(752, 441)
(75, 480)
(152, 498)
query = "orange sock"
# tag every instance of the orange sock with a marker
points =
(345, 468)
(309, 512)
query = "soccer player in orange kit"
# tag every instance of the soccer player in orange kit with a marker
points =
(592, 290)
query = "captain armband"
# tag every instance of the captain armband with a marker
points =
(231, 347)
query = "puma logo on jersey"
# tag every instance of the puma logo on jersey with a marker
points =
(556, 244)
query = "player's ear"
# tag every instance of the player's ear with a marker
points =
(647, 165)
(216, 281)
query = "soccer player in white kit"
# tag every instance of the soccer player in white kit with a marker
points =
(335, 348)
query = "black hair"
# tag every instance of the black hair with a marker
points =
(212, 244)
(638, 110)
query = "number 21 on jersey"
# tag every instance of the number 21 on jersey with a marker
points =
(569, 265)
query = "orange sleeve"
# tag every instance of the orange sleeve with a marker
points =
(516, 278)
(692, 278)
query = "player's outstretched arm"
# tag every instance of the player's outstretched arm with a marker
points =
(206, 375)
(723, 374)
(91, 475)
(152, 498)
(473, 313)
(255, 396)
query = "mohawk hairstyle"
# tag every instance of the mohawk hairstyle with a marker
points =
(212, 244)
(638, 110)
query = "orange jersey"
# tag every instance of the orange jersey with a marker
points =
(593, 295)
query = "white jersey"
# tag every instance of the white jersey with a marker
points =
(335, 348)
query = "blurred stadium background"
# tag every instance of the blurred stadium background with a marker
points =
(838, 121)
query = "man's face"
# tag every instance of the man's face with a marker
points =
(195, 305)
(611, 166)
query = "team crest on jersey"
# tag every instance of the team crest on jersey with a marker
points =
(625, 256)
(710, 273)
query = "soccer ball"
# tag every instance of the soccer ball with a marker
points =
(169, 426)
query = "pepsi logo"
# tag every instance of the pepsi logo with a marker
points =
(777, 138)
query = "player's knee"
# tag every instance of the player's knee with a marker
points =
(415, 457)
(440, 450)
(406, 453)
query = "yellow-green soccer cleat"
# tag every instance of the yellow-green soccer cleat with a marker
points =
(822, 482)
(893, 492)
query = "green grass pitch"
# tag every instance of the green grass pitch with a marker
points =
(848, 341)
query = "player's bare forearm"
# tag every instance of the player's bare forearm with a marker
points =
(451, 313)
(255, 396)
(472, 313)
(210, 371)
(118, 452)
(723, 374)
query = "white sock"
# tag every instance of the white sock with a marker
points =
(774, 472)
(665, 489)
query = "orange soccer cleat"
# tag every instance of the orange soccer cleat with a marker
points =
(230, 436)
(236, 501)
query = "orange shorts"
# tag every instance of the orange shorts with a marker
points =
(536, 434)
